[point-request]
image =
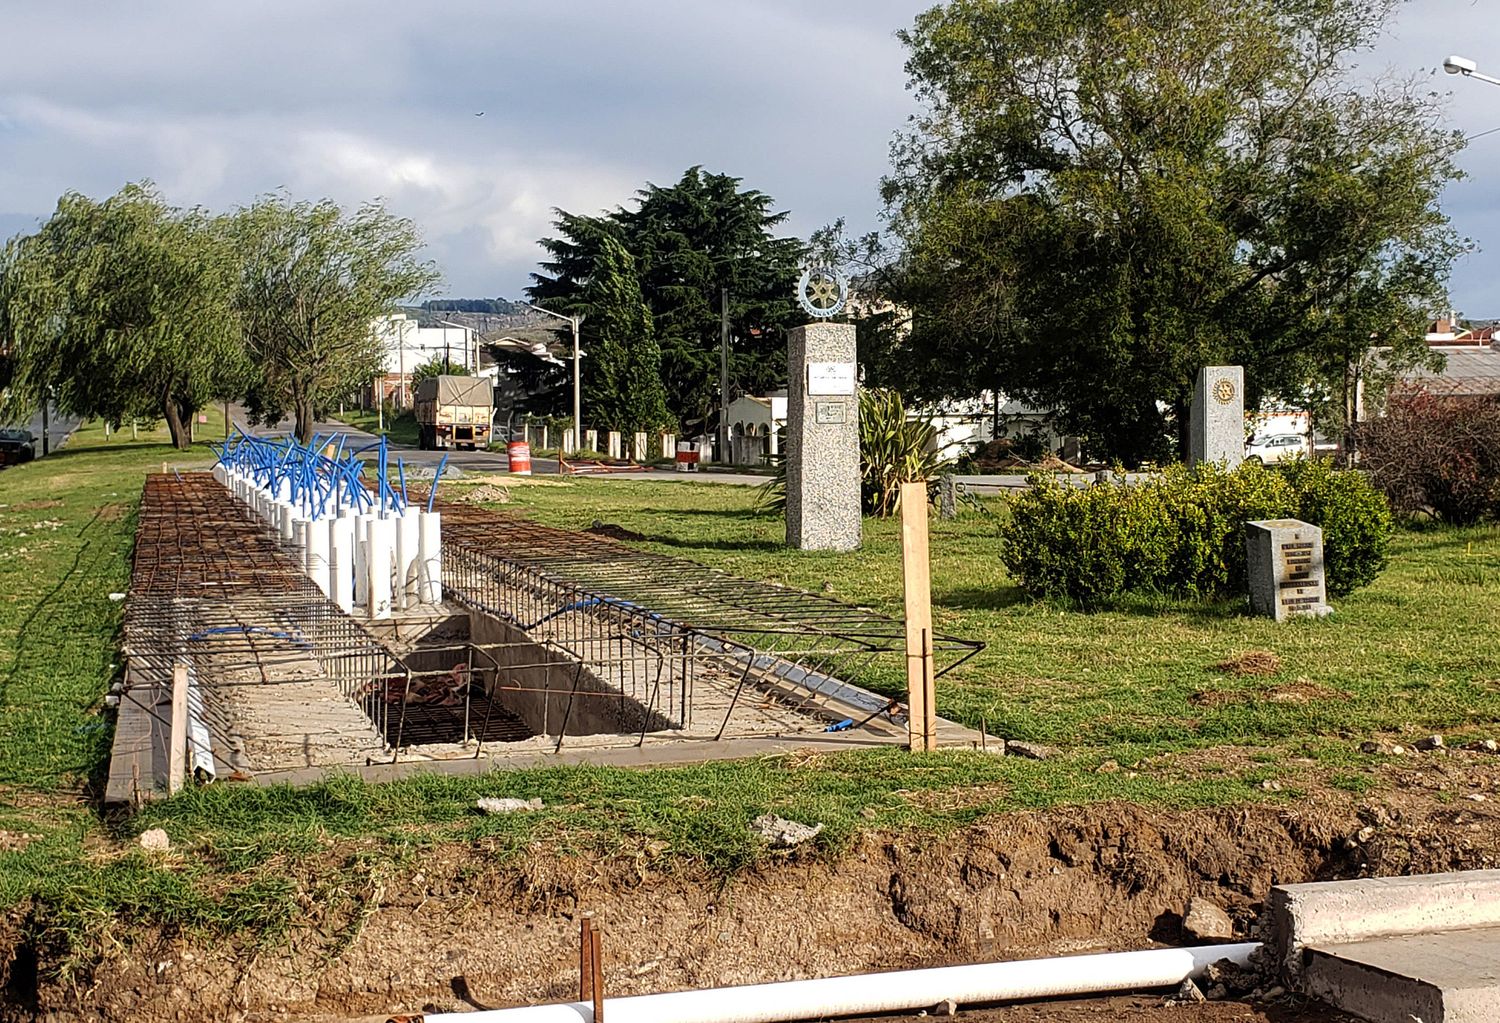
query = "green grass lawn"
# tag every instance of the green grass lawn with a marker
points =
(400, 428)
(1416, 652)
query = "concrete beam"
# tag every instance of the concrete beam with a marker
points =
(1341, 912)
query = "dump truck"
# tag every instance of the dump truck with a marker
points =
(454, 412)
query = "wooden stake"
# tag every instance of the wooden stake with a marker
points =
(585, 960)
(590, 968)
(177, 740)
(916, 575)
(598, 982)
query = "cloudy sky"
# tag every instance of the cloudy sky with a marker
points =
(582, 102)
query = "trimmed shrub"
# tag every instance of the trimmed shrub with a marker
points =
(1182, 534)
(1354, 516)
(1436, 455)
(1062, 542)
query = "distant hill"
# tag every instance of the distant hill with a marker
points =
(491, 318)
(498, 306)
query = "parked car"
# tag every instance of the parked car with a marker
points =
(1276, 447)
(16, 446)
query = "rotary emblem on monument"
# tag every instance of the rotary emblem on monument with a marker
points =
(822, 291)
(1224, 391)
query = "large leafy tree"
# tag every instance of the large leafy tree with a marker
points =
(1101, 196)
(120, 309)
(689, 241)
(313, 280)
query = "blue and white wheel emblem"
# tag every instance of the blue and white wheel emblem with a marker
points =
(822, 291)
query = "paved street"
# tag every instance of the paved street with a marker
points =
(58, 429)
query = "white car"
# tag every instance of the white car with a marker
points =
(1276, 447)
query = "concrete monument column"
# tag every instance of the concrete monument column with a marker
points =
(1216, 425)
(822, 439)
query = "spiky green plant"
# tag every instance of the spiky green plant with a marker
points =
(894, 448)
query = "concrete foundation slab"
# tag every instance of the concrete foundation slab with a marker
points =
(1445, 977)
(1340, 912)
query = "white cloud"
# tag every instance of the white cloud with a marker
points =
(583, 102)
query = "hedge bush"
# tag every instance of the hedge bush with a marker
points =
(1182, 533)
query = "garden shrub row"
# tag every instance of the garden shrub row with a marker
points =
(1182, 534)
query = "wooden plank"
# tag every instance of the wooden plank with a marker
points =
(916, 576)
(177, 741)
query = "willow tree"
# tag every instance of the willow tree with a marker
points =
(1101, 196)
(120, 309)
(313, 281)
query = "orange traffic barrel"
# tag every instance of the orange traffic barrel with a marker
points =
(519, 453)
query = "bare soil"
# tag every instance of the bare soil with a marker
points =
(461, 928)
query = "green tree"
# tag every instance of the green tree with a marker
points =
(1101, 196)
(437, 366)
(623, 380)
(313, 281)
(689, 241)
(120, 309)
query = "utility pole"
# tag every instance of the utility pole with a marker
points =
(724, 453)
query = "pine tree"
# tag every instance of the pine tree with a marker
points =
(623, 376)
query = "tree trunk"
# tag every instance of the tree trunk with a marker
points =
(304, 412)
(1182, 412)
(176, 425)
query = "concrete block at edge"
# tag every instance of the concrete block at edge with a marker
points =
(1442, 977)
(1340, 912)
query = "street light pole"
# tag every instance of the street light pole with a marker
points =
(1456, 65)
(574, 321)
(468, 334)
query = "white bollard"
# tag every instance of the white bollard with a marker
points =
(430, 557)
(382, 533)
(319, 544)
(284, 519)
(341, 562)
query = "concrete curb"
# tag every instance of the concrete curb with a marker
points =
(1340, 912)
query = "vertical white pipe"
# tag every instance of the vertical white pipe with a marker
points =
(362, 560)
(341, 561)
(319, 546)
(382, 533)
(430, 557)
(407, 538)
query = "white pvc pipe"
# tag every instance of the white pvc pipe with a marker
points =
(379, 557)
(406, 555)
(362, 559)
(341, 562)
(430, 557)
(900, 991)
(319, 547)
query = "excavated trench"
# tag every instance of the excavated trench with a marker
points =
(460, 928)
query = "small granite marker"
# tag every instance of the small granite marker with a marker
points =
(822, 430)
(1286, 568)
(1217, 419)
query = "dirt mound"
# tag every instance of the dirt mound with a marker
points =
(461, 928)
(1251, 662)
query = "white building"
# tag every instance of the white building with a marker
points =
(408, 345)
(754, 427)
